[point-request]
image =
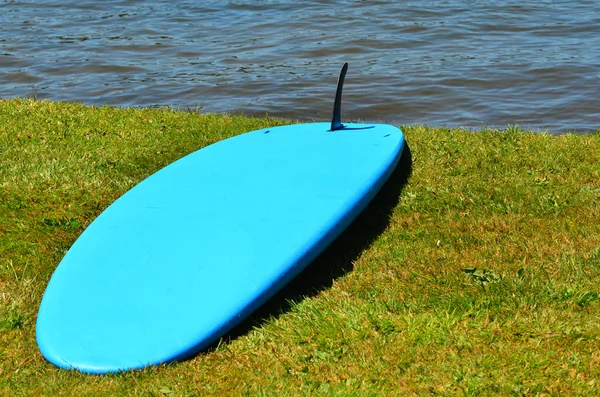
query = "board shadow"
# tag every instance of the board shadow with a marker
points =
(338, 259)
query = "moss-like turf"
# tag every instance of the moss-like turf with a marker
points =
(477, 273)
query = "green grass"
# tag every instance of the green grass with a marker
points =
(478, 276)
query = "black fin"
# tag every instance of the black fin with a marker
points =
(336, 121)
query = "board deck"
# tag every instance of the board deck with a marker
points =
(189, 252)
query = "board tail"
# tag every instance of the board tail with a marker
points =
(336, 121)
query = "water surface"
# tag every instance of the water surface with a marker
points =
(440, 63)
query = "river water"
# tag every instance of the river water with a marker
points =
(440, 63)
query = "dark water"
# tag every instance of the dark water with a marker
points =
(454, 63)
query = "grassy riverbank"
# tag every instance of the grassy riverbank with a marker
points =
(481, 274)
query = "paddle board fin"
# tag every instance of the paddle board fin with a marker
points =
(336, 121)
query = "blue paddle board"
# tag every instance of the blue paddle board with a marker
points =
(192, 250)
